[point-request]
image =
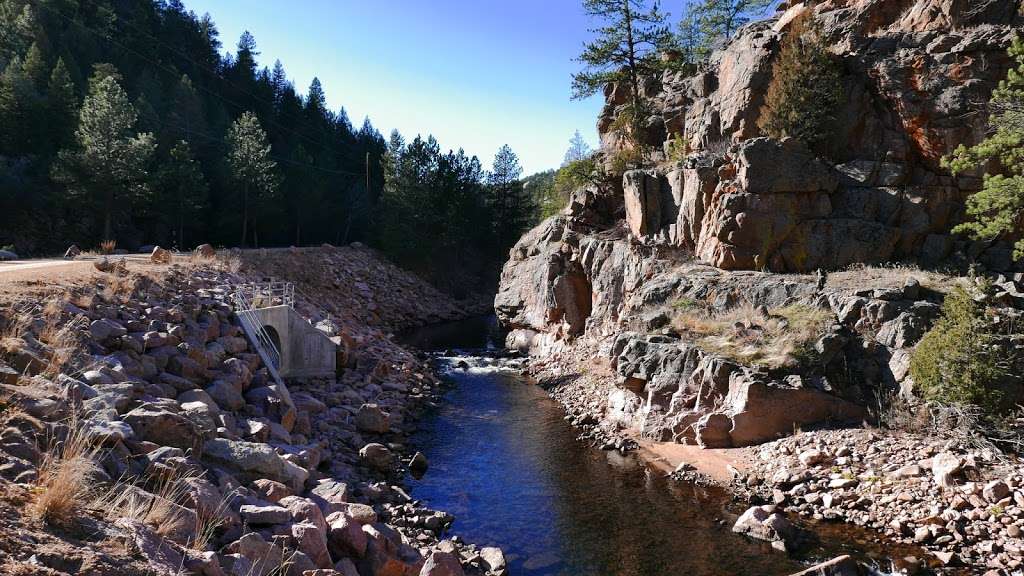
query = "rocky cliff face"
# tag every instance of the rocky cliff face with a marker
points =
(914, 76)
(598, 284)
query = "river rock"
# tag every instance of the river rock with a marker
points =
(441, 564)
(768, 524)
(945, 466)
(418, 464)
(371, 418)
(494, 559)
(378, 456)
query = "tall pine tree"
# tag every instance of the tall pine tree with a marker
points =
(625, 50)
(252, 168)
(108, 166)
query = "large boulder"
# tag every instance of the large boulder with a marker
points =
(251, 461)
(165, 428)
(160, 256)
(370, 418)
(205, 251)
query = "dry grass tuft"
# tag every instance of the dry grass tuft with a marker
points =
(64, 341)
(64, 483)
(107, 247)
(159, 501)
(895, 275)
(752, 335)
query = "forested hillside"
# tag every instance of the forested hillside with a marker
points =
(129, 121)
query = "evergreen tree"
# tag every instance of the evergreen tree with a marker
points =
(511, 207)
(278, 81)
(61, 105)
(245, 59)
(578, 149)
(718, 20)
(17, 103)
(35, 67)
(691, 40)
(625, 50)
(185, 118)
(806, 88)
(109, 164)
(998, 209)
(251, 165)
(184, 188)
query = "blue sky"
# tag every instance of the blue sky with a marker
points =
(475, 73)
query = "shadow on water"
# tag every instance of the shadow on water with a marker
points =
(508, 466)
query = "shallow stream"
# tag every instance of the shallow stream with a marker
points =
(509, 467)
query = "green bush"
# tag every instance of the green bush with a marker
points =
(998, 208)
(678, 149)
(552, 195)
(806, 88)
(624, 160)
(958, 361)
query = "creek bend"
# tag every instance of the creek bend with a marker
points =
(509, 467)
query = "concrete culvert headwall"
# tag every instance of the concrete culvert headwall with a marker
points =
(305, 351)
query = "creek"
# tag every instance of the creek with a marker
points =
(509, 467)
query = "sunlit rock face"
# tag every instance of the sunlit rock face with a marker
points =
(913, 75)
(730, 221)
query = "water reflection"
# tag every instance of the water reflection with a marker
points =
(503, 460)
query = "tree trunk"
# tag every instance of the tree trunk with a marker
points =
(245, 213)
(108, 214)
(633, 78)
(181, 221)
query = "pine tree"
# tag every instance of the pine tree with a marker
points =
(186, 119)
(998, 209)
(278, 81)
(806, 88)
(250, 163)
(625, 50)
(245, 59)
(691, 41)
(35, 66)
(578, 149)
(718, 20)
(109, 164)
(511, 208)
(17, 102)
(61, 105)
(184, 188)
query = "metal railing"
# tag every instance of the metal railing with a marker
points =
(252, 326)
(267, 294)
(246, 299)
